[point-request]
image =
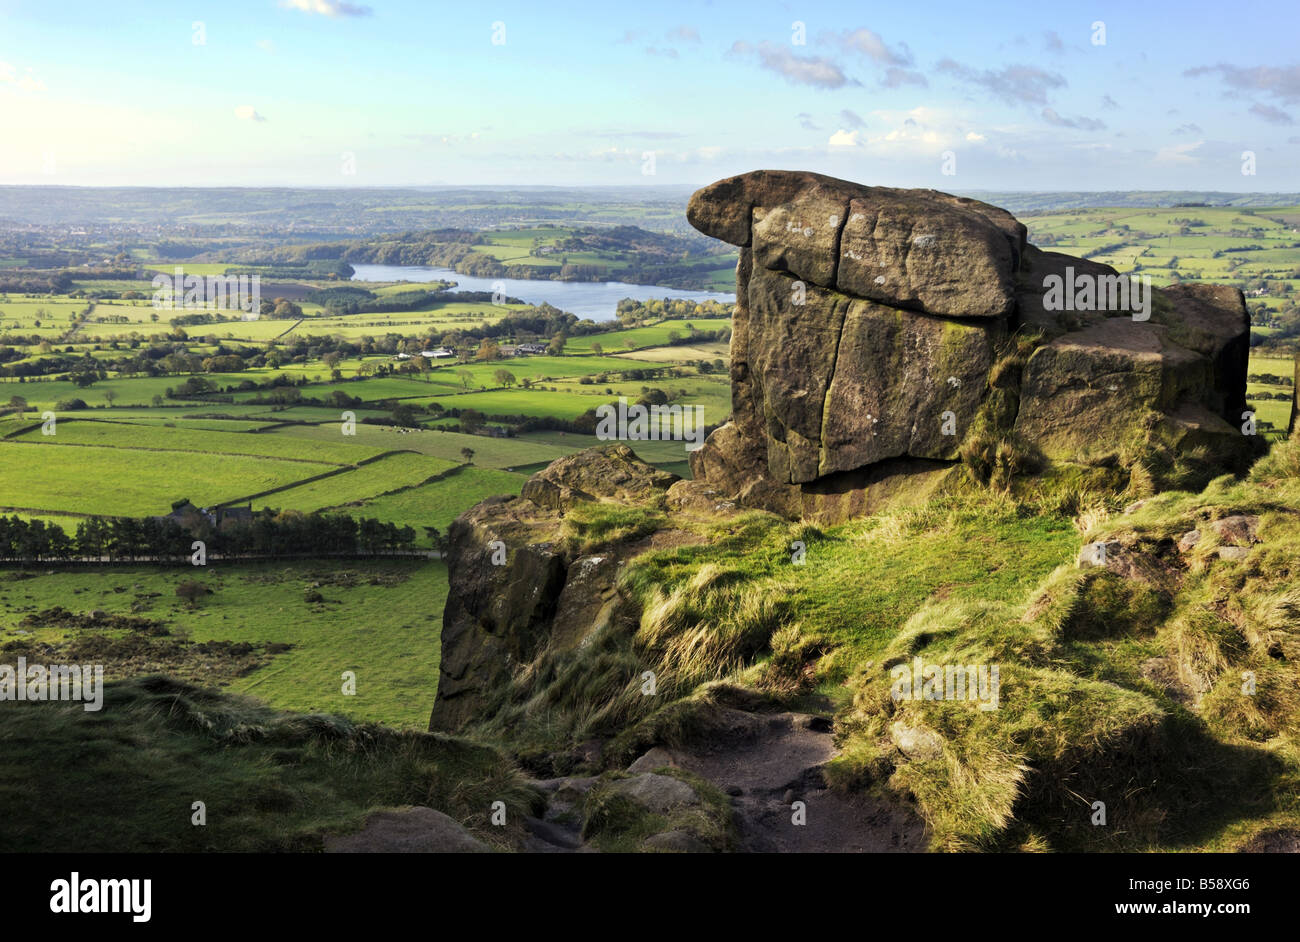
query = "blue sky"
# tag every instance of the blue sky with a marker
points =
(301, 92)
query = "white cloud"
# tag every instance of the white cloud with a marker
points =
(869, 43)
(248, 113)
(817, 71)
(1177, 154)
(919, 132)
(26, 81)
(331, 8)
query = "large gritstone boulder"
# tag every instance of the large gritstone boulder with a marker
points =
(879, 331)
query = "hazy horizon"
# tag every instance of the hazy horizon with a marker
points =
(321, 94)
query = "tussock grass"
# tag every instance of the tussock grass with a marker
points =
(1117, 686)
(591, 525)
(711, 625)
(271, 781)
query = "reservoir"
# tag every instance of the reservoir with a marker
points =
(596, 300)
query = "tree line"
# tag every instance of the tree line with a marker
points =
(268, 533)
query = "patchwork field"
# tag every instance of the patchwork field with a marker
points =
(439, 503)
(286, 633)
(1256, 249)
(53, 478)
(387, 474)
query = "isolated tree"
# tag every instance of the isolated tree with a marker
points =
(504, 378)
(466, 378)
(597, 349)
(468, 455)
(109, 396)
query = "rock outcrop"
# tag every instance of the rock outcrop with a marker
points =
(517, 584)
(882, 340)
(879, 332)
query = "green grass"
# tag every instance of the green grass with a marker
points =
(1277, 412)
(531, 402)
(269, 781)
(501, 453)
(635, 337)
(387, 474)
(183, 437)
(380, 619)
(117, 482)
(439, 503)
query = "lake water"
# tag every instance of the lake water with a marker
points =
(588, 299)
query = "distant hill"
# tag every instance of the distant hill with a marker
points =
(1029, 202)
(305, 214)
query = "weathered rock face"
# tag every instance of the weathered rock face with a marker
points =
(917, 249)
(1087, 387)
(496, 616)
(515, 585)
(873, 325)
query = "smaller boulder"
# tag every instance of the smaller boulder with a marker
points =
(1237, 530)
(609, 472)
(916, 742)
(656, 758)
(1098, 554)
(416, 830)
(657, 793)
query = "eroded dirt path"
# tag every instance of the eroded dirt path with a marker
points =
(768, 762)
